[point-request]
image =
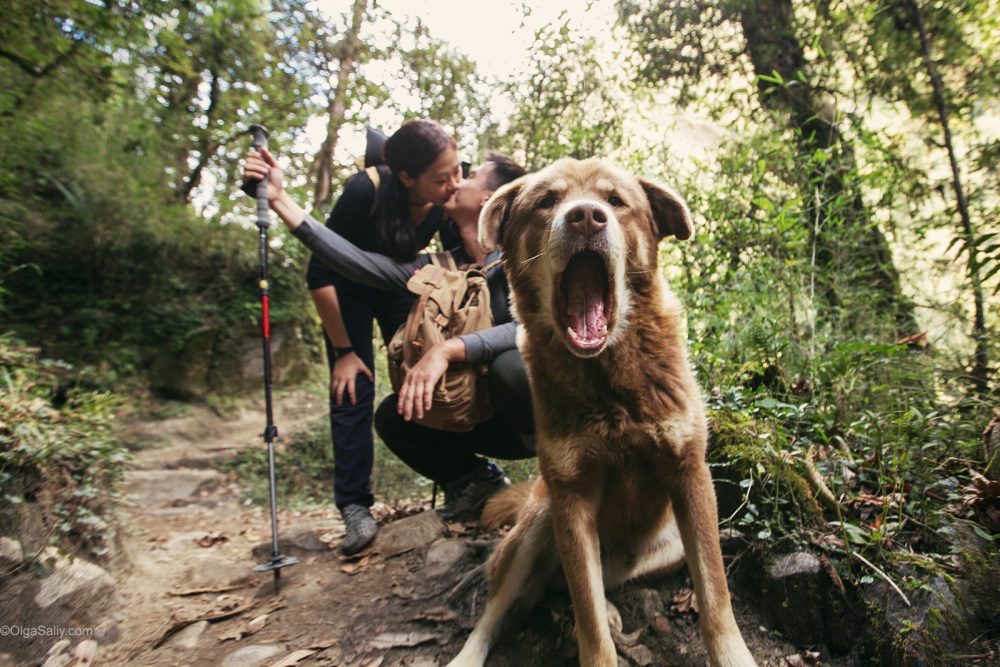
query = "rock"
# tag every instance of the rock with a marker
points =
(85, 652)
(929, 632)
(443, 556)
(11, 553)
(209, 571)
(301, 543)
(253, 655)
(75, 584)
(189, 637)
(107, 632)
(414, 533)
(639, 607)
(153, 487)
(184, 374)
(802, 600)
(56, 657)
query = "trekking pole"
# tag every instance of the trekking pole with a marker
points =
(277, 561)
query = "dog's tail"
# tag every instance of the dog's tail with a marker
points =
(502, 509)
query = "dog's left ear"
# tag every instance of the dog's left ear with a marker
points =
(670, 212)
(493, 218)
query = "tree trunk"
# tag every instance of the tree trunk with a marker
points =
(206, 147)
(980, 364)
(774, 49)
(321, 172)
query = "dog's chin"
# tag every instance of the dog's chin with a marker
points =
(585, 308)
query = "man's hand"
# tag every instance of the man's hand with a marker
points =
(417, 392)
(345, 370)
(262, 165)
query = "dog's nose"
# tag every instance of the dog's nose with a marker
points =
(587, 219)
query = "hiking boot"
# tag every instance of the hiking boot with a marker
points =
(360, 529)
(466, 496)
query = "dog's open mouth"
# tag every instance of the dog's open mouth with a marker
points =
(585, 301)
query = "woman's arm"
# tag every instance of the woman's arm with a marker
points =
(368, 268)
(486, 345)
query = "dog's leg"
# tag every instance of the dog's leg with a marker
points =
(519, 569)
(574, 521)
(694, 507)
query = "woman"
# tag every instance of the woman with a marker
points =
(397, 218)
(452, 459)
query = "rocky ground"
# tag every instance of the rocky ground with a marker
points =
(183, 590)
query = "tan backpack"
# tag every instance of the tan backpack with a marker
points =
(453, 302)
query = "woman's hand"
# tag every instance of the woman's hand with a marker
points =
(262, 165)
(345, 370)
(417, 392)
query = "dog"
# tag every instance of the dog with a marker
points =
(624, 490)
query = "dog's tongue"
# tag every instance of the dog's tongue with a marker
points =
(586, 282)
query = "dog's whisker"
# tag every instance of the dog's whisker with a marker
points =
(531, 259)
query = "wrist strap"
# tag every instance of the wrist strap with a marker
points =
(339, 352)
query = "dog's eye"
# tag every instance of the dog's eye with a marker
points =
(548, 202)
(615, 200)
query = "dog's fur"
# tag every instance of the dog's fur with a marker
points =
(621, 431)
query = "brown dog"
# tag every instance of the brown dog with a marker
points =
(621, 430)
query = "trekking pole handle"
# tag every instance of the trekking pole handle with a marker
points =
(259, 134)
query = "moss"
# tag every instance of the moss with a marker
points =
(751, 449)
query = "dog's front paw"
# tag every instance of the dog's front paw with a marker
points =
(473, 654)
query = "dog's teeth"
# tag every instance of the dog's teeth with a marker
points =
(603, 331)
(572, 333)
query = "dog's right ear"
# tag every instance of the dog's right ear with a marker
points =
(495, 214)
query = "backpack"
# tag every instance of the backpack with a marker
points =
(453, 302)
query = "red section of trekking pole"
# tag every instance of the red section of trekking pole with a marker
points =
(270, 431)
(267, 319)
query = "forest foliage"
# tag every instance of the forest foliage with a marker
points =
(840, 159)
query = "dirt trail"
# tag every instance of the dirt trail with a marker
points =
(411, 600)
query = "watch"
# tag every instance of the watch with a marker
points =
(339, 352)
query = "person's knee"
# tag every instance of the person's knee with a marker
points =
(387, 420)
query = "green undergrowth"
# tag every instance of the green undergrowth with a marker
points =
(867, 452)
(59, 457)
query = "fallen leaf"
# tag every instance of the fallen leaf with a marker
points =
(388, 640)
(324, 644)
(804, 660)
(354, 568)
(293, 658)
(257, 624)
(239, 583)
(228, 609)
(437, 615)
(211, 540)
(640, 655)
(685, 602)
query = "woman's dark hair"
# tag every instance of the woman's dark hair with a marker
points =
(412, 148)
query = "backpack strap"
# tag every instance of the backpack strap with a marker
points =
(376, 180)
